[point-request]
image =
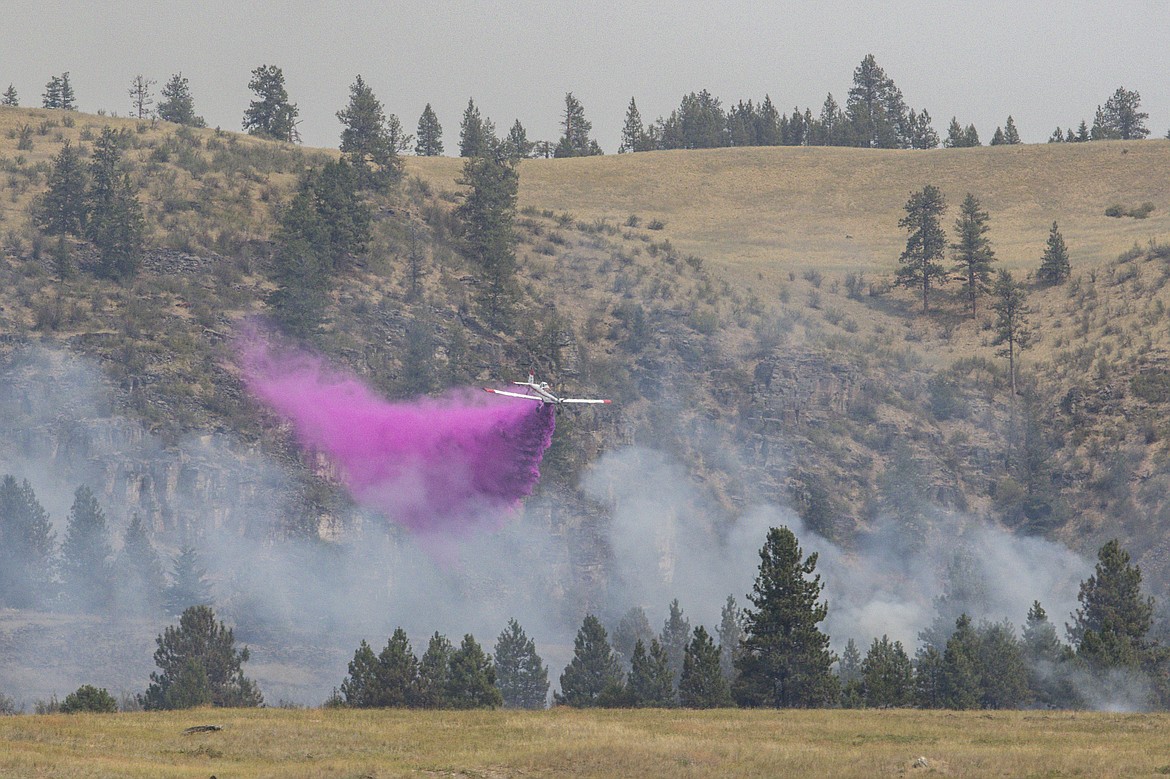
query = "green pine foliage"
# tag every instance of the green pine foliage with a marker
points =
(1054, 265)
(875, 110)
(86, 554)
(1012, 333)
(634, 626)
(1011, 135)
(675, 635)
(90, 700)
(178, 104)
(10, 98)
(1047, 662)
(271, 115)
(1003, 669)
(785, 660)
(199, 665)
(488, 215)
(928, 677)
(475, 133)
(429, 135)
(1121, 117)
(139, 581)
(27, 546)
(921, 266)
(998, 138)
(594, 676)
(188, 586)
(849, 677)
(1110, 628)
(634, 136)
(434, 671)
(367, 140)
(62, 210)
(649, 683)
(388, 680)
(520, 674)
(960, 680)
(115, 222)
(730, 634)
(575, 141)
(472, 682)
(702, 684)
(972, 250)
(887, 676)
(516, 144)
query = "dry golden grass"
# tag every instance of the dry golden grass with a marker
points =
(769, 210)
(563, 742)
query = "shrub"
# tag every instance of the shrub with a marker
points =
(88, 698)
(655, 224)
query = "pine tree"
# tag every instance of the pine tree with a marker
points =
(832, 122)
(922, 134)
(928, 689)
(271, 115)
(849, 677)
(189, 586)
(138, 575)
(960, 683)
(472, 684)
(649, 683)
(115, 222)
(1010, 303)
(520, 673)
(1011, 135)
(676, 633)
(199, 665)
(360, 688)
(399, 140)
(998, 138)
(429, 135)
(86, 553)
(785, 659)
(955, 139)
(875, 109)
(1046, 660)
(768, 123)
(302, 293)
(27, 544)
(1054, 265)
(887, 676)
(140, 98)
(730, 637)
(926, 245)
(1057, 136)
(972, 249)
(1003, 671)
(971, 136)
(516, 145)
(178, 105)
(489, 240)
(1101, 130)
(67, 100)
(473, 140)
(51, 98)
(434, 672)
(365, 138)
(633, 131)
(10, 98)
(88, 698)
(63, 208)
(633, 627)
(594, 675)
(1121, 117)
(1083, 132)
(702, 684)
(397, 672)
(1110, 628)
(575, 142)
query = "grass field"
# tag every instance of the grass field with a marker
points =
(564, 742)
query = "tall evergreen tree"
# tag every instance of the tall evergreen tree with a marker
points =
(472, 683)
(302, 288)
(676, 633)
(998, 138)
(64, 206)
(489, 240)
(516, 145)
(1012, 334)
(576, 141)
(365, 138)
(138, 575)
(1110, 628)
(188, 586)
(875, 108)
(86, 553)
(271, 115)
(361, 688)
(51, 98)
(10, 97)
(887, 676)
(730, 637)
(429, 135)
(1054, 265)
(633, 131)
(650, 683)
(702, 684)
(785, 660)
(1083, 132)
(434, 673)
(928, 687)
(198, 665)
(594, 675)
(178, 105)
(926, 244)
(1047, 662)
(1011, 135)
(971, 136)
(849, 677)
(922, 133)
(115, 222)
(140, 97)
(955, 139)
(832, 122)
(960, 680)
(473, 140)
(397, 672)
(1121, 117)
(1003, 670)
(972, 250)
(633, 627)
(68, 102)
(27, 545)
(520, 674)
(768, 124)
(1057, 136)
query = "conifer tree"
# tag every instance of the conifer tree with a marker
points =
(849, 677)
(1057, 136)
(1083, 132)
(27, 545)
(960, 682)
(140, 97)
(1109, 629)
(922, 134)
(88, 698)
(361, 688)
(676, 634)
(198, 665)
(115, 222)
(785, 659)
(86, 553)
(10, 97)
(928, 688)
(429, 135)
(1046, 659)
(875, 108)
(434, 672)
(1054, 265)
(63, 208)
(594, 675)
(67, 100)
(1121, 117)
(998, 138)
(178, 105)
(730, 637)
(472, 683)
(633, 131)
(650, 684)
(138, 575)
(972, 250)
(397, 672)
(51, 98)
(576, 141)
(633, 627)
(302, 290)
(887, 676)
(702, 684)
(768, 123)
(516, 145)
(489, 240)
(926, 244)
(366, 138)
(189, 586)
(1011, 135)
(955, 139)
(971, 136)
(473, 140)
(271, 115)
(1003, 672)
(520, 673)
(1010, 303)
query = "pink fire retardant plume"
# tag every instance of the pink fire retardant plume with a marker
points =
(431, 465)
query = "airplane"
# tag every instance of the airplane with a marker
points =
(543, 394)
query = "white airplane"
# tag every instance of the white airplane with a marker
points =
(543, 393)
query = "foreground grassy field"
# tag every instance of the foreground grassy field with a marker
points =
(562, 742)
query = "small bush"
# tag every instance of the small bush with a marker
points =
(633, 221)
(88, 698)
(655, 224)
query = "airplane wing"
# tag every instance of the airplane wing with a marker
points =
(537, 398)
(584, 400)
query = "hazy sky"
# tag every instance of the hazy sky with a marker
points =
(1045, 63)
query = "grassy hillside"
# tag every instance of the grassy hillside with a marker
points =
(564, 742)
